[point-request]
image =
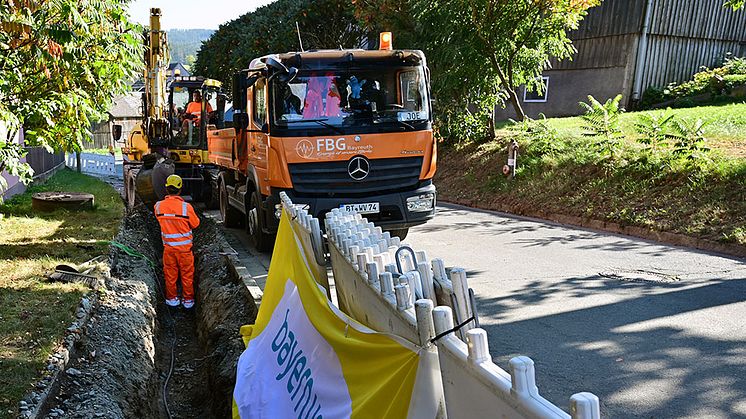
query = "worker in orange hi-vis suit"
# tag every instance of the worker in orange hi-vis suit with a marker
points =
(177, 219)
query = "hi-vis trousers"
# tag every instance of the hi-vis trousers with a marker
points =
(177, 262)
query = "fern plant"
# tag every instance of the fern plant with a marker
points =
(602, 122)
(690, 141)
(654, 130)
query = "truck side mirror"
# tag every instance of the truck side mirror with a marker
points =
(116, 132)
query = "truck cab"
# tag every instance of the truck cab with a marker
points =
(339, 128)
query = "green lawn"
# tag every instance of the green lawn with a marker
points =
(725, 125)
(34, 313)
(563, 172)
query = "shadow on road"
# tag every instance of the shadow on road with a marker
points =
(611, 351)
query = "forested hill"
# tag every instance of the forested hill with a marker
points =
(186, 42)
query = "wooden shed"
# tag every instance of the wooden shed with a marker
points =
(125, 111)
(626, 46)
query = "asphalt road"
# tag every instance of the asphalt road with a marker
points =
(655, 331)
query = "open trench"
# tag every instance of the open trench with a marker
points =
(205, 341)
(124, 355)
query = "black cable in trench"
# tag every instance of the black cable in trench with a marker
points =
(164, 392)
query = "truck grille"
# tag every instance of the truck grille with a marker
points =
(332, 178)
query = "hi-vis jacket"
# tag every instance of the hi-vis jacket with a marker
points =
(177, 219)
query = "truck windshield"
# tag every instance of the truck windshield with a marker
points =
(392, 98)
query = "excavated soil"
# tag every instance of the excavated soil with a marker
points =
(124, 354)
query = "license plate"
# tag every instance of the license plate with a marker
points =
(412, 116)
(367, 208)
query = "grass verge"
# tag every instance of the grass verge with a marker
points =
(561, 173)
(34, 313)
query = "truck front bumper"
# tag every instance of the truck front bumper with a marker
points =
(396, 210)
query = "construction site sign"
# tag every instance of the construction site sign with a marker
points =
(305, 358)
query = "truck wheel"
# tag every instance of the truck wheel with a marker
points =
(129, 191)
(211, 192)
(231, 216)
(255, 225)
(401, 233)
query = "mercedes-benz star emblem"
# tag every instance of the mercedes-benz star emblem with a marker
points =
(358, 168)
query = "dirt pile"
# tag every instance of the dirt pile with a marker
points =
(224, 304)
(112, 376)
(124, 356)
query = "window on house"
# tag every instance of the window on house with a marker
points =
(537, 96)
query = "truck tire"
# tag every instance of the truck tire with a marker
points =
(214, 196)
(231, 216)
(401, 233)
(130, 192)
(255, 225)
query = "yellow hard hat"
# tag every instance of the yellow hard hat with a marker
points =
(174, 180)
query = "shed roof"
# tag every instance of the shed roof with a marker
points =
(127, 106)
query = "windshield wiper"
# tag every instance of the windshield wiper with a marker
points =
(395, 119)
(318, 121)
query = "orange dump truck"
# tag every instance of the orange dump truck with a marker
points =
(333, 128)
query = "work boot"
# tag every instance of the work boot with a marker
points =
(173, 302)
(188, 303)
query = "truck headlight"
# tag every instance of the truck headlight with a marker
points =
(421, 203)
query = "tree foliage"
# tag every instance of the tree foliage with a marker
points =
(491, 47)
(323, 24)
(61, 63)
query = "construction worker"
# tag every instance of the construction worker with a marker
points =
(177, 219)
(194, 108)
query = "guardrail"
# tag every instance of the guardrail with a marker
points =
(99, 164)
(391, 288)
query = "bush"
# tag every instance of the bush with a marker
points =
(714, 82)
(731, 81)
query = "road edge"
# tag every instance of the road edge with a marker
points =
(664, 237)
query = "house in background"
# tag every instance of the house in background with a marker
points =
(626, 46)
(125, 111)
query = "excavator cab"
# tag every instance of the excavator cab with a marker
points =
(184, 113)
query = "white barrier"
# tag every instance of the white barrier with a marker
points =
(309, 232)
(98, 164)
(391, 288)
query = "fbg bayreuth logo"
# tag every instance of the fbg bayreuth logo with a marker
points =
(304, 148)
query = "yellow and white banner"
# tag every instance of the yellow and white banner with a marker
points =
(306, 359)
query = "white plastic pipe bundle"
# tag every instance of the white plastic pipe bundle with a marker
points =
(372, 252)
(474, 386)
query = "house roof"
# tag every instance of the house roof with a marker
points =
(182, 69)
(127, 106)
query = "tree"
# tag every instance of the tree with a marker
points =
(735, 4)
(323, 24)
(491, 47)
(61, 63)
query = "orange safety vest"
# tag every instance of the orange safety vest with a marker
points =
(177, 219)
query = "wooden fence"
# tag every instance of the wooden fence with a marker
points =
(43, 161)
